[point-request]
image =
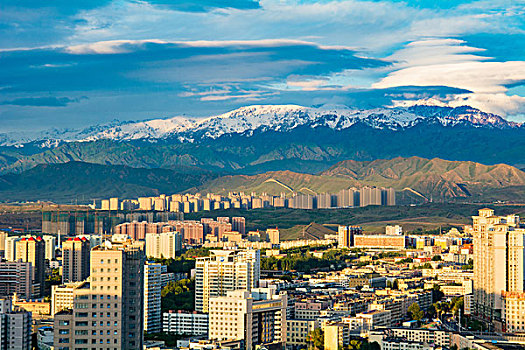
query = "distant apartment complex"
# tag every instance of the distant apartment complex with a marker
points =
(188, 203)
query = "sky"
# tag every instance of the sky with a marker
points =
(71, 64)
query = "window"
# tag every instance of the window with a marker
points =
(63, 323)
(63, 331)
(63, 340)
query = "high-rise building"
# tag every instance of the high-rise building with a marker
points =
(152, 290)
(15, 327)
(16, 277)
(32, 249)
(324, 201)
(239, 224)
(108, 311)
(223, 271)
(369, 196)
(10, 247)
(257, 317)
(499, 267)
(75, 259)
(273, 235)
(50, 243)
(3, 236)
(164, 245)
(114, 204)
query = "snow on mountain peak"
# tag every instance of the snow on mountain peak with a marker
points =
(246, 120)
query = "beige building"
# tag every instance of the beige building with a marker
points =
(107, 311)
(257, 317)
(297, 331)
(273, 235)
(499, 264)
(3, 236)
(163, 245)
(75, 259)
(223, 271)
(32, 249)
(62, 296)
(336, 336)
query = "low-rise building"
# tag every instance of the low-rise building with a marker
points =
(185, 322)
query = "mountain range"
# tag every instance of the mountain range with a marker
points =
(275, 148)
(257, 139)
(416, 180)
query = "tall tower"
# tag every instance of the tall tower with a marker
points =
(32, 249)
(75, 259)
(223, 271)
(108, 311)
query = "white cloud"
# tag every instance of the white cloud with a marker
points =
(450, 63)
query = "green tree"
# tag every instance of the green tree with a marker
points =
(315, 339)
(179, 295)
(415, 311)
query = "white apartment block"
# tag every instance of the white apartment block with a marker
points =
(152, 297)
(51, 243)
(62, 296)
(185, 322)
(223, 271)
(257, 317)
(163, 245)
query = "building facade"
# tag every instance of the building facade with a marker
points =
(257, 317)
(223, 271)
(108, 311)
(75, 259)
(152, 299)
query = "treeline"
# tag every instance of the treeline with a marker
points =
(179, 295)
(305, 261)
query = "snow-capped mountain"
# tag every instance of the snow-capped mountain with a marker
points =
(248, 119)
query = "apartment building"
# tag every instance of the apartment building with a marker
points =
(223, 271)
(15, 327)
(62, 296)
(499, 265)
(16, 277)
(75, 259)
(164, 245)
(152, 297)
(257, 317)
(108, 311)
(336, 335)
(297, 332)
(32, 250)
(185, 322)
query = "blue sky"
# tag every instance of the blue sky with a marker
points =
(76, 63)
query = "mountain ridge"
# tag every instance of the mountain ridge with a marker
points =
(415, 179)
(246, 120)
(258, 139)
